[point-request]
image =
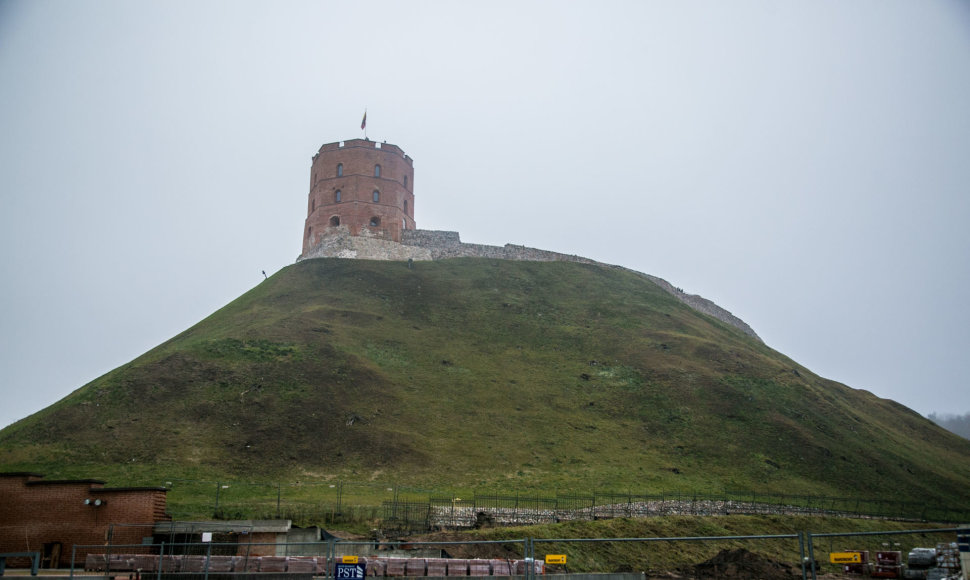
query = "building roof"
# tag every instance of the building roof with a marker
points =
(226, 526)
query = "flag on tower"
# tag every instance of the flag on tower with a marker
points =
(363, 122)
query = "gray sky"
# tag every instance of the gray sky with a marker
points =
(803, 164)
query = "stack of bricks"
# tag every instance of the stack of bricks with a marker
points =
(860, 569)
(948, 559)
(375, 567)
(458, 567)
(437, 567)
(395, 566)
(379, 567)
(502, 567)
(963, 544)
(888, 565)
(304, 564)
(272, 564)
(415, 567)
(479, 568)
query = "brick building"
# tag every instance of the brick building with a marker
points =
(362, 187)
(52, 516)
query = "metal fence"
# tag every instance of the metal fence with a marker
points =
(802, 554)
(885, 553)
(415, 509)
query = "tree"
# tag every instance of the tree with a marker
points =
(959, 424)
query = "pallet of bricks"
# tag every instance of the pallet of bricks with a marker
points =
(963, 545)
(888, 565)
(859, 569)
(947, 562)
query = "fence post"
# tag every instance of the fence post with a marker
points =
(801, 552)
(107, 554)
(208, 555)
(340, 492)
(530, 559)
(811, 554)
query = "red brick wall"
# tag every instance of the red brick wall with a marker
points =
(34, 512)
(356, 208)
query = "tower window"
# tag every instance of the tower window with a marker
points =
(335, 220)
(375, 221)
(313, 205)
(309, 233)
(336, 196)
(377, 171)
(377, 196)
(405, 181)
(340, 170)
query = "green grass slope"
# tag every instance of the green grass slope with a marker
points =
(484, 374)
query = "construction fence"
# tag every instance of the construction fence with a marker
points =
(891, 554)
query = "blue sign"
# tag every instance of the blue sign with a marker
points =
(350, 571)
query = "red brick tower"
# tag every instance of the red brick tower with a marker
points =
(361, 186)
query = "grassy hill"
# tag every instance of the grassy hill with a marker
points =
(483, 374)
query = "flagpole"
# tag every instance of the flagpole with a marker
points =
(363, 123)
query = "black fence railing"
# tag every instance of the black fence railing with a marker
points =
(414, 509)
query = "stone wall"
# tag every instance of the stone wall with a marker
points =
(421, 245)
(704, 305)
(337, 242)
(449, 245)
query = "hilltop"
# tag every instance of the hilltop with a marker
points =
(488, 374)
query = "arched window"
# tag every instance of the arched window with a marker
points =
(309, 233)
(405, 182)
(336, 196)
(335, 220)
(377, 196)
(340, 170)
(375, 221)
(405, 207)
(377, 171)
(313, 205)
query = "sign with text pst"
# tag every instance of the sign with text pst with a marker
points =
(845, 557)
(555, 558)
(349, 572)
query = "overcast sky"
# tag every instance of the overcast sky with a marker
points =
(805, 165)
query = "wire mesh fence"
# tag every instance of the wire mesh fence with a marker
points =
(885, 554)
(415, 509)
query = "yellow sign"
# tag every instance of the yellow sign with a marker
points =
(845, 557)
(555, 558)
(349, 560)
